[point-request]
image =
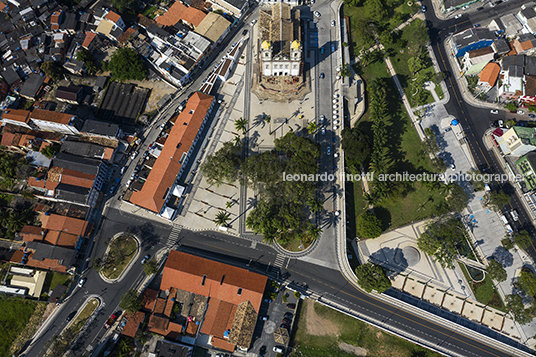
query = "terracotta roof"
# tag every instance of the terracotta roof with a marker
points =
(530, 85)
(480, 52)
(149, 298)
(158, 324)
(160, 306)
(113, 17)
(2, 6)
(33, 182)
(170, 302)
(222, 281)
(181, 12)
(133, 322)
(7, 139)
(490, 73)
(146, 21)
(16, 115)
(108, 153)
(76, 180)
(90, 36)
(61, 238)
(54, 19)
(219, 319)
(125, 36)
(191, 328)
(167, 166)
(222, 344)
(47, 115)
(31, 233)
(513, 51)
(66, 224)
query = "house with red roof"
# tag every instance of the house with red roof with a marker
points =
(201, 298)
(157, 191)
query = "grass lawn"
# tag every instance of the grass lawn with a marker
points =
(82, 317)
(484, 291)
(350, 331)
(122, 250)
(16, 316)
(54, 279)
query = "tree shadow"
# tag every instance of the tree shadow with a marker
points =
(259, 120)
(384, 215)
(504, 257)
(394, 257)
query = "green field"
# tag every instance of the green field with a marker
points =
(15, 316)
(484, 291)
(337, 328)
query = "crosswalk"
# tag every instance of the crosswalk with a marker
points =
(278, 263)
(173, 236)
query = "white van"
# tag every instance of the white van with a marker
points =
(503, 218)
(514, 215)
(508, 228)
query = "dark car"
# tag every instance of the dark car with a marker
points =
(286, 321)
(291, 306)
(262, 351)
(289, 315)
(532, 116)
(492, 124)
(287, 326)
(480, 8)
(322, 75)
(70, 317)
(244, 33)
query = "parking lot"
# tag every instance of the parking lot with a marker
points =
(276, 320)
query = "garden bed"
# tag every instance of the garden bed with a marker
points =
(120, 252)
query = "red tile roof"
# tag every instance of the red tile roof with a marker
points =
(61, 239)
(31, 233)
(66, 224)
(490, 73)
(160, 306)
(167, 166)
(113, 17)
(7, 139)
(222, 281)
(133, 323)
(125, 36)
(16, 115)
(47, 115)
(90, 36)
(181, 12)
(149, 298)
(222, 344)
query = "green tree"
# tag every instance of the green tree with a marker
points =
(527, 282)
(368, 225)
(476, 179)
(457, 200)
(497, 199)
(417, 35)
(357, 148)
(150, 267)
(522, 239)
(311, 127)
(375, 10)
(415, 64)
(511, 106)
(496, 271)
(240, 125)
(440, 238)
(89, 61)
(221, 218)
(507, 243)
(510, 123)
(124, 6)
(345, 71)
(126, 64)
(131, 301)
(223, 166)
(514, 303)
(372, 277)
(315, 204)
(386, 38)
(51, 150)
(97, 264)
(52, 70)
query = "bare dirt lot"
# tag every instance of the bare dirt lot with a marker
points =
(317, 325)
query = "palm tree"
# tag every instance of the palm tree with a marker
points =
(314, 232)
(315, 204)
(446, 188)
(372, 198)
(237, 141)
(366, 58)
(268, 118)
(311, 127)
(221, 218)
(240, 125)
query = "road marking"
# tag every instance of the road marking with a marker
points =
(173, 236)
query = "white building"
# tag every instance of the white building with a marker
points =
(281, 45)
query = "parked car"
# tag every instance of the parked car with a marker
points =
(476, 25)
(514, 215)
(291, 306)
(145, 259)
(494, 111)
(109, 322)
(278, 349)
(532, 116)
(123, 169)
(329, 150)
(286, 321)
(70, 316)
(501, 124)
(458, 16)
(244, 33)
(322, 118)
(263, 317)
(323, 131)
(262, 351)
(253, 22)
(492, 124)
(322, 75)
(480, 8)
(519, 111)
(423, 8)
(81, 282)
(287, 326)
(289, 315)
(452, 167)
(332, 47)
(316, 13)
(332, 23)
(269, 301)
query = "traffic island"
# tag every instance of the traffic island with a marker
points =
(61, 343)
(122, 251)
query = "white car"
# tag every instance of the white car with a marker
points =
(494, 111)
(253, 22)
(323, 131)
(458, 16)
(81, 282)
(316, 13)
(520, 112)
(453, 167)
(501, 124)
(514, 215)
(332, 23)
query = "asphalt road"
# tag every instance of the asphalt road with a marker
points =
(475, 121)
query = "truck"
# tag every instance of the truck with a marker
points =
(110, 321)
(503, 218)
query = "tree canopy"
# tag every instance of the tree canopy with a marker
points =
(52, 70)
(125, 5)
(527, 282)
(368, 225)
(150, 267)
(496, 271)
(440, 240)
(131, 301)
(372, 277)
(514, 303)
(497, 199)
(522, 239)
(223, 166)
(127, 64)
(357, 148)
